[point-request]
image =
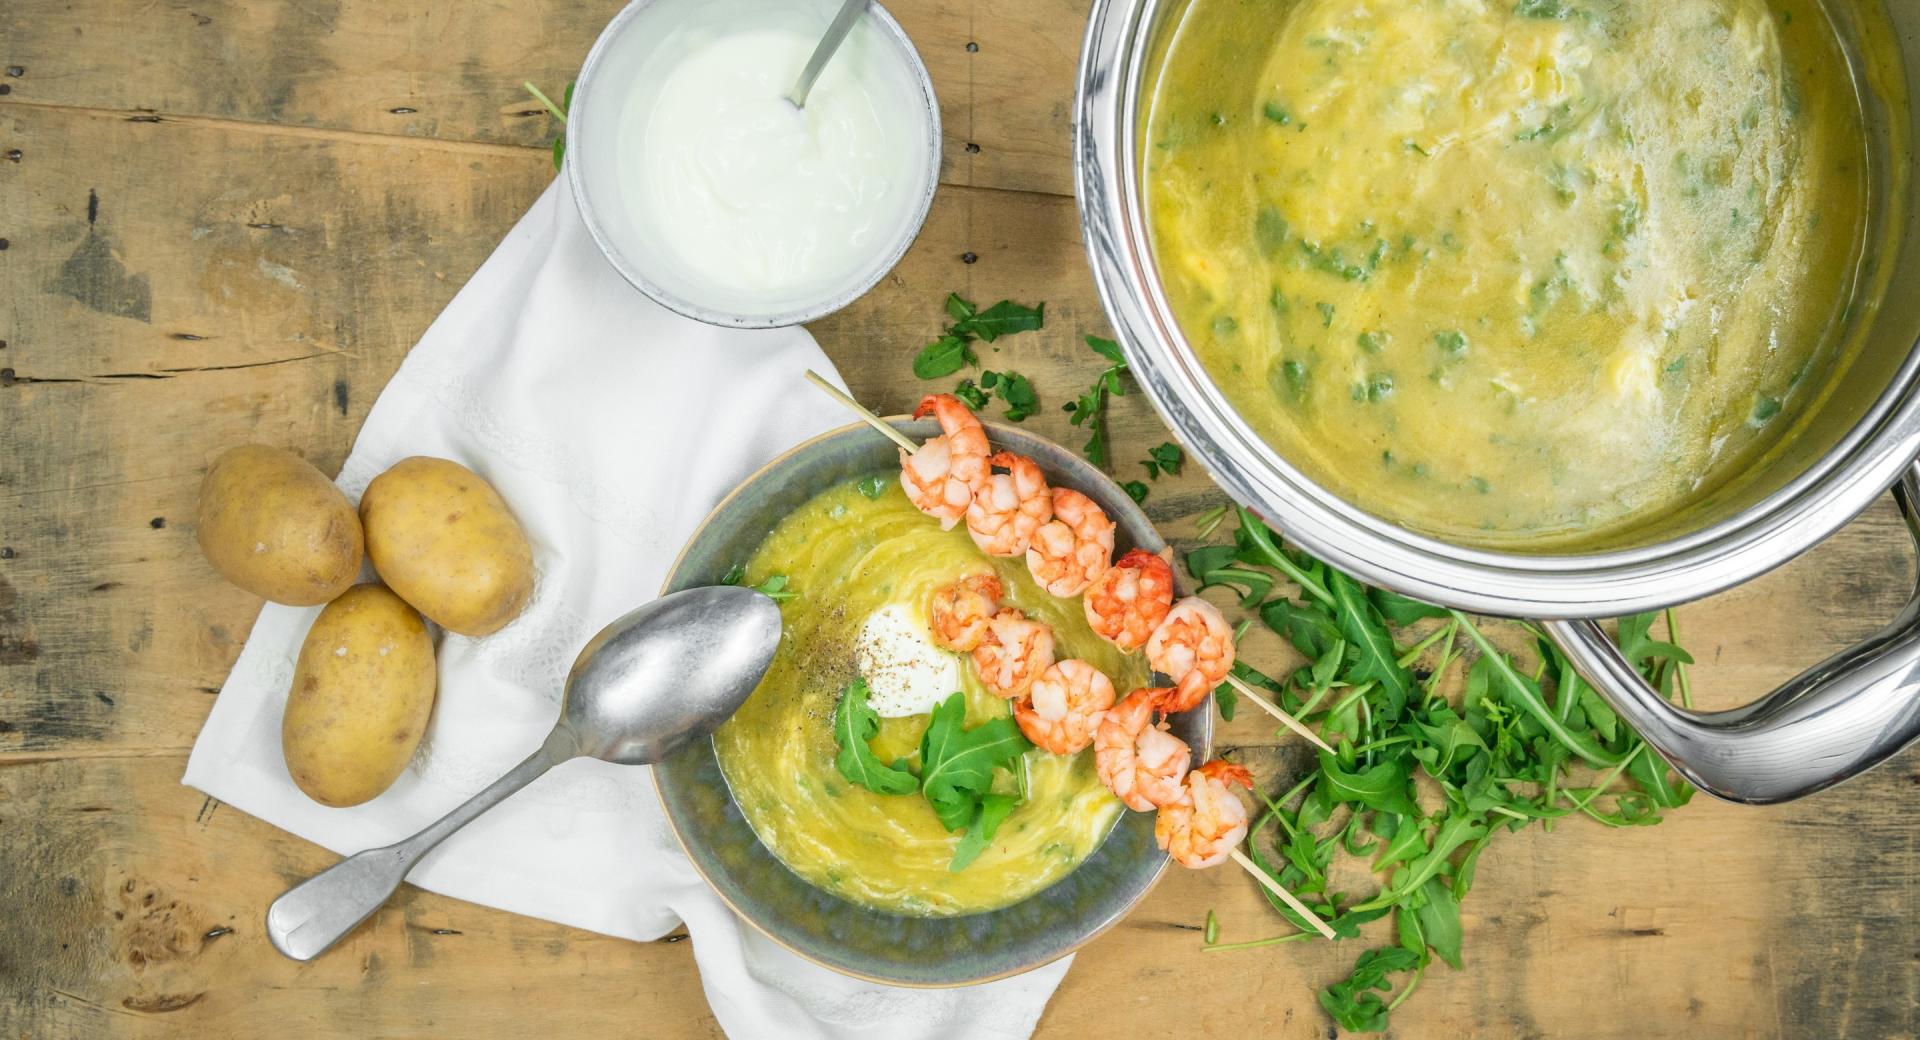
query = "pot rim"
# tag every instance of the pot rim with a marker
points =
(1816, 502)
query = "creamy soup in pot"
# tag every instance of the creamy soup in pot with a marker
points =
(1509, 273)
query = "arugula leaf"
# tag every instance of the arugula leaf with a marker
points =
(1014, 389)
(854, 724)
(774, 588)
(1001, 319)
(1385, 786)
(1310, 629)
(993, 812)
(957, 763)
(971, 395)
(1090, 409)
(1401, 611)
(957, 308)
(1375, 657)
(943, 357)
(1018, 393)
(1353, 1003)
(1135, 490)
(1164, 458)
(1439, 917)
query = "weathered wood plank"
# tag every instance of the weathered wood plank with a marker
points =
(265, 289)
(440, 72)
(1720, 922)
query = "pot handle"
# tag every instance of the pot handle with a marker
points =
(1830, 722)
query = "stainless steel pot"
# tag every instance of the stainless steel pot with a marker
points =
(1834, 720)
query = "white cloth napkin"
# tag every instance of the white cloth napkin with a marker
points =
(611, 426)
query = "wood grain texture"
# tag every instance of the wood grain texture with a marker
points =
(454, 72)
(219, 228)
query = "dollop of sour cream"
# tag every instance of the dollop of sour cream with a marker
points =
(755, 204)
(906, 674)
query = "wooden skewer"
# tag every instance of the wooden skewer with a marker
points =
(906, 444)
(1285, 896)
(1285, 719)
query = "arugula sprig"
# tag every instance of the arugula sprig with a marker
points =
(776, 587)
(854, 725)
(1089, 410)
(957, 765)
(1516, 745)
(953, 350)
(1015, 390)
(559, 112)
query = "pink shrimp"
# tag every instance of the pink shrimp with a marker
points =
(1129, 601)
(1141, 763)
(1194, 647)
(1067, 701)
(944, 475)
(959, 613)
(1013, 505)
(1072, 549)
(1210, 822)
(1014, 653)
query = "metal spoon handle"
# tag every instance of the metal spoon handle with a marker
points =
(842, 24)
(318, 912)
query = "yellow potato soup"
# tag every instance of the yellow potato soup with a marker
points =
(1513, 274)
(848, 556)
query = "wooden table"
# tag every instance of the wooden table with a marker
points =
(227, 220)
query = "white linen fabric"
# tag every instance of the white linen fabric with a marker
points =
(611, 426)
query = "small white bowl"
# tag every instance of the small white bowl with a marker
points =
(636, 39)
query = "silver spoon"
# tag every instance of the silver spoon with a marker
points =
(662, 676)
(842, 24)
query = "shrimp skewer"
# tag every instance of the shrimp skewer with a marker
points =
(1194, 647)
(1011, 506)
(1127, 603)
(1142, 764)
(942, 478)
(959, 613)
(1065, 704)
(1074, 548)
(1014, 653)
(1200, 829)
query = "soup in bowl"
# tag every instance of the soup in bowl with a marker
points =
(834, 860)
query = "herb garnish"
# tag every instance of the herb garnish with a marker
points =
(956, 765)
(1136, 490)
(1165, 458)
(953, 350)
(1520, 744)
(1014, 389)
(1090, 409)
(774, 588)
(854, 724)
(873, 485)
(559, 112)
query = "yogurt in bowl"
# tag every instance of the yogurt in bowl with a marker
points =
(708, 190)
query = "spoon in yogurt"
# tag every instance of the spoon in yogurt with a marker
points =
(842, 24)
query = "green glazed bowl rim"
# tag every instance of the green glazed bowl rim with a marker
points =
(824, 928)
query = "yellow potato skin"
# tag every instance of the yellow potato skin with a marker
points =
(444, 540)
(274, 525)
(362, 691)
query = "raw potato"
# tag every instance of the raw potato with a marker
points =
(361, 695)
(444, 540)
(275, 526)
